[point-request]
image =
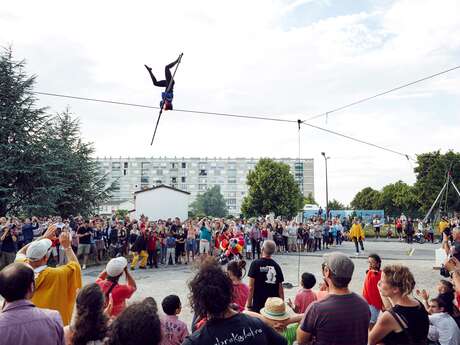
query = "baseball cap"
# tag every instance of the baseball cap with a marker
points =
(116, 266)
(38, 249)
(340, 264)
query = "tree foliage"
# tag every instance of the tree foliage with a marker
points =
(397, 198)
(309, 200)
(431, 171)
(336, 205)
(45, 168)
(211, 203)
(272, 189)
(366, 199)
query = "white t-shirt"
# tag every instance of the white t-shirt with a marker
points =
(444, 329)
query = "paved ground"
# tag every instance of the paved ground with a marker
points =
(172, 280)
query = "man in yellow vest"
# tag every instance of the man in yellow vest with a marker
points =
(357, 235)
(55, 288)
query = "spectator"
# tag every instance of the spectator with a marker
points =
(371, 291)
(276, 315)
(21, 322)
(174, 330)
(205, 238)
(318, 235)
(211, 292)
(409, 231)
(8, 245)
(153, 248)
(357, 235)
(443, 328)
(190, 244)
(108, 280)
(84, 246)
(240, 290)
(342, 317)
(305, 296)
(265, 278)
(90, 325)
(407, 321)
(180, 242)
(55, 288)
(138, 324)
(170, 249)
(28, 231)
(255, 236)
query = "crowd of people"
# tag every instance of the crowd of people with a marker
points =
(49, 305)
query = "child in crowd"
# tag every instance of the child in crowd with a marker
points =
(174, 330)
(305, 296)
(248, 248)
(170, 249)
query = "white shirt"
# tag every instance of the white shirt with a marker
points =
(444, 329)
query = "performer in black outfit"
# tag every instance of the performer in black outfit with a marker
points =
(167, 95)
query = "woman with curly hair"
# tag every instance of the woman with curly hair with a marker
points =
(211, 293)
(90, 325)
(138, 324)
(406, 322)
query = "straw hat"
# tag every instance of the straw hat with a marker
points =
(275, 309)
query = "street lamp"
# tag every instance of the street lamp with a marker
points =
(327, 191)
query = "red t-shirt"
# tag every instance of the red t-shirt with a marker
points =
(303, 299)
(371, 291)
(120, 293)
(240, 295)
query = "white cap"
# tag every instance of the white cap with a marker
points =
(116, 266)
(38, 249)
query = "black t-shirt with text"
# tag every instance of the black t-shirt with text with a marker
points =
(267, 276)
(239, 329)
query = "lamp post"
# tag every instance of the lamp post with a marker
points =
(327, 191)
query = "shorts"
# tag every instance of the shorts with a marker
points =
(299, 241)
(100, 244)
(292, 241)
(84, 249)
(374, 314)
(204, 246)
(191, 245)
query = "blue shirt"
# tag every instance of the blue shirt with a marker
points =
(170, 242)
(205, 234)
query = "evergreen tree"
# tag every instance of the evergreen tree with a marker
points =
(83, 186)
(25, 171)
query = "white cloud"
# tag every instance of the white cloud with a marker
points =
(239, 59)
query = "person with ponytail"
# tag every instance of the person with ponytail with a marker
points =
(240, 290)
(108, 281)
(91, 323)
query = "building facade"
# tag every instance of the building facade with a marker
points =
(195, 175)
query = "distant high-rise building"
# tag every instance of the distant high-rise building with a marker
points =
(195, 175)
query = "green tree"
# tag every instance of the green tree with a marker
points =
(366, 199)
(431, 171)
(272, 188)
(310, 200)
(83, 186)
(211, 203)
(26, 173)
(336, 205)
(397, 198)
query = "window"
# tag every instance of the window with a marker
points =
(116, 166)
(159, 172)
(183, 186)
(144, 179)
(202, 165)
(182, 179)
(202, 187)
(231, 180)
(124, 172)
(203, 172)
(173, 165)
(125, 165)
(203, 180)
(184, 165)
(173, 179)
(158, 182)
(145, 165)
(231, 201)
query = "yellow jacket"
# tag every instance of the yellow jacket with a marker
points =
(56, 288)
(442, 226)
(357, 231)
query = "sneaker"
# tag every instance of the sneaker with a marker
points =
(83, 267)
(356, 254)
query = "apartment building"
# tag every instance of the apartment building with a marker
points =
(195, 175)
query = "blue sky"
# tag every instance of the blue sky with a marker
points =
(289, 59)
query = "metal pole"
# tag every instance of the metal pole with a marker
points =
(327, 189)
